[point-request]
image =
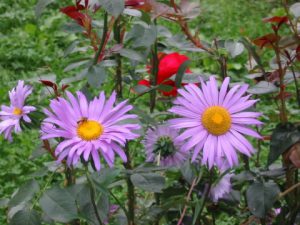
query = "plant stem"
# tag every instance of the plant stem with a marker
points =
(205, 196)
(130, 190)
(117, 34)
(282, 194)
(283, 115)
(296, 85)
(93, 195)
(120, 204)
(187, 200)
(189, 196)
(153, 78)
(104, 34)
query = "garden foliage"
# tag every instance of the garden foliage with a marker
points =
(152, 122)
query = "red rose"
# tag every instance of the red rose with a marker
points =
(172, 93)
(169, 65)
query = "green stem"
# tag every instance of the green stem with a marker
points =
(69, 176)
(120, 204)
(117, 34)
(130, 190)
(39, 195)
(104, 34)
(153, 78)
(93, 195)
(283, 115)
(205, 196)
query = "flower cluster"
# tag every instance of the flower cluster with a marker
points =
(212, 125)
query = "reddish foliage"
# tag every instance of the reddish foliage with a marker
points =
(266, 40)
(74, 13)
(298, 53)
(276, 19)
(49, 84)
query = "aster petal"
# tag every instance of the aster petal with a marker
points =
(246, 121)
(235, 98)
(96, 159)
(230, 94)
(245, 130)
(223, 90)
(213, 88)
(241, 106)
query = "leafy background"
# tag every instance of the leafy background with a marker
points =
(32, 48)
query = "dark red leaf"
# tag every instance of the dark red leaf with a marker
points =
(298, 52)
(276, 19)
(48, 83)
(72, 12)
(266, 41)
(64, 87)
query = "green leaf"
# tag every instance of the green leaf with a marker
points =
(142, 35)
(26, 217)
(183, 67)
(113, 7)
(244, 176)
(132, 54)
(165, 87)
(151, 182)
(188, 171)
(105, 177)
(263, 87)
(4, 202)
(96, 75)
(25, 193)
(59, 205)
(140, 89)
(261, 197)
(234, 48)
(75, 65)
(295, 9)
(282, 138)
(40, 6)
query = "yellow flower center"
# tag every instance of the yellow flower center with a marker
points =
(89, 130)
(17, 111)
(216, 120)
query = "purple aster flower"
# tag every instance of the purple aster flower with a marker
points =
(11, 116)
(161, 146)
(220, 189)
(89, 129)
(215, 121)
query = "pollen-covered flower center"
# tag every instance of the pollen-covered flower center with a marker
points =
(89, 130)
(216, 120)
(17, 111)
(164, 147)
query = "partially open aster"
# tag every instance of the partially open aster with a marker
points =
(221, 189)
(215, 121)
(89, 129)
(161, 147)
(11, 116)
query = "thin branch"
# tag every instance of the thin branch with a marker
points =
(93, 196)
(104, 34)
(282, 194)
